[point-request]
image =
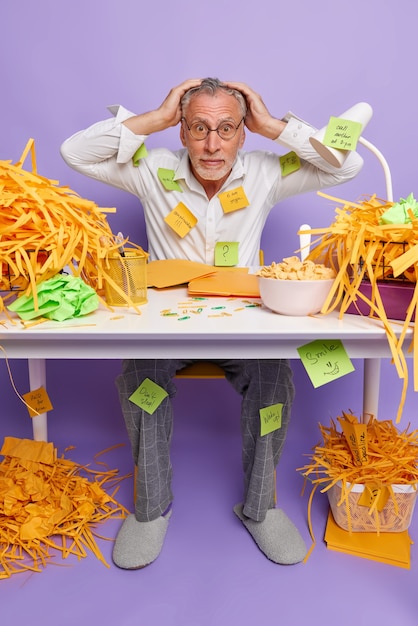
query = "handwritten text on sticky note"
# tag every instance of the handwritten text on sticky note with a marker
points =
(148, 396)
(270, 418)
(342, 134)
(325, 360)
(38, 402)
(226, 253)
(289, 163)
(167, 179)
(233, 200)
(181, 220)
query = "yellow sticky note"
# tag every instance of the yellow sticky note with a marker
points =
(226, 253)
(270, 418)
(325, 360)
(38, 401)
(148, 396)
(233, 200)
(372, 494)
(289, 163)
(181, 220)
(342, 134)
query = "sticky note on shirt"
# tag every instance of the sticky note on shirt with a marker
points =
(289, 163)
(181, 220)
(226, 253)
(141, 153)
(167, 179)
(233, 200)
(270, 418)
(148, 396)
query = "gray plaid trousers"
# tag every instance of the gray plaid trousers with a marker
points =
(261, 383)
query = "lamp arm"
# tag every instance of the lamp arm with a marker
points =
(384, 164)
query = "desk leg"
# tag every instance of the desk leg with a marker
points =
(37, 378)
(371, 386)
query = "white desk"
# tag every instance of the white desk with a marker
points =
(244, 332)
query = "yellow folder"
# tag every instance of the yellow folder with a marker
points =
(390, 548)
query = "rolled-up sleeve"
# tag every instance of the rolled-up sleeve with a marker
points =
(106, 142)
(296, 136)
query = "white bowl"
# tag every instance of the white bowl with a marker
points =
(294, 297)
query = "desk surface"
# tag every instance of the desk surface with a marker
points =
(237, 330)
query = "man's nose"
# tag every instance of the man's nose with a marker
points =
(213, 141)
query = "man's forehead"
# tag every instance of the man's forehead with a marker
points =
(220, 105)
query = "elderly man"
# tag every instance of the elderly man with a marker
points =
(213, 117)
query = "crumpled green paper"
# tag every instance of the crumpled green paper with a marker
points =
(59, 298)
(399, 213)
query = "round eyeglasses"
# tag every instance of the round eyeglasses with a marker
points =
(225, 130)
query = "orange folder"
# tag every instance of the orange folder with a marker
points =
(226, 282)
(172, 272)
(390, 548)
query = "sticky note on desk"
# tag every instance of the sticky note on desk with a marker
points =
(325, 360)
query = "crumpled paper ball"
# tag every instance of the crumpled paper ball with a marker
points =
(59, 298)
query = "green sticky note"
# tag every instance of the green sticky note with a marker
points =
(167, 179)
(226, 253)
(325, 360)
(342, 134)
(270, 418)
(139, 154)
(289, 163)
(148, 396)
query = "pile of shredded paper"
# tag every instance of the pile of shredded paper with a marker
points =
(50, 505)
(45, 228)
(374, 454)
(354, 245)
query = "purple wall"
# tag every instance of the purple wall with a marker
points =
(64, 62)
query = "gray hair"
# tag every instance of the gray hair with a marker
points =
(211, 86)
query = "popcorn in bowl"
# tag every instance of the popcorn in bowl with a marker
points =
(295, 287)
(292, 268)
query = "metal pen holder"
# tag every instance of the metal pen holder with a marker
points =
(127, 275)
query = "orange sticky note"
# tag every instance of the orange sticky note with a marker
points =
(38, 402)
(372, 494)
(233, 200)
(181, 220)
(356, 436)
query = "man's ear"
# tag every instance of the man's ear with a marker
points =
(182, 134)
(241, 143)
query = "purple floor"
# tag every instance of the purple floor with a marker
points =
(210, 573)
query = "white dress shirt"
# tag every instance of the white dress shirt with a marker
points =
(105, 150)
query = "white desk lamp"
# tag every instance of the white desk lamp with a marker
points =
(361, 112)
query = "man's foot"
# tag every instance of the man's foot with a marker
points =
(139, 543)
(276, 536)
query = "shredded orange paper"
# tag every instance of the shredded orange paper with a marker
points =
(354, 246)
(48, 504)
(45, 228)
(391, 459)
